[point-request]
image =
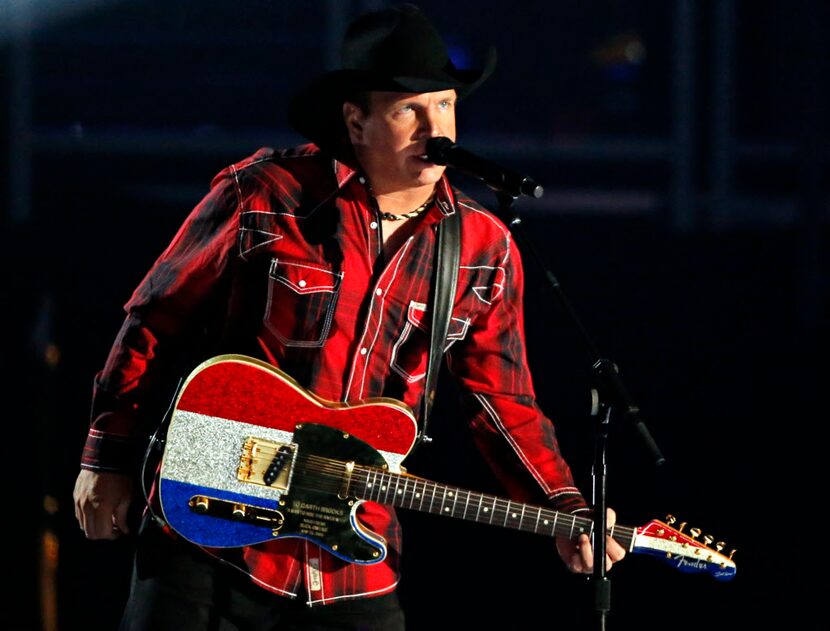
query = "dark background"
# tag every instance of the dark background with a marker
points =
(683, 147)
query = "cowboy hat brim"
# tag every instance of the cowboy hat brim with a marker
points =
(316, 112)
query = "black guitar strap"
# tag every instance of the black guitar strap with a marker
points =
(447, 257)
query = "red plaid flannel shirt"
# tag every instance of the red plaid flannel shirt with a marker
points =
(282, 260)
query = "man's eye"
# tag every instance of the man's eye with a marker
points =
(445, 105)
(406, 108)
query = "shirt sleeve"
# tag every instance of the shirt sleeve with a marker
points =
(170, 307)
(509, 428)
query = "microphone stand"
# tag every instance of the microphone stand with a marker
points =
(610, 399)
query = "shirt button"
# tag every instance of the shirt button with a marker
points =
(374, 225)
(364, 350)
(361, 179)
(301, 283)
(379, 291)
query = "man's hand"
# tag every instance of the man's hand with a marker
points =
(578, 555)
(101, 503)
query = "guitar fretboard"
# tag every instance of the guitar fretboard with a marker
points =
(411, 492)
(419, 494)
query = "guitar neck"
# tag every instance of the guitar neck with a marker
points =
(412, 492)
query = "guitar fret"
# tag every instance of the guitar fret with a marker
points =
(370, 487)
(396, 489)
(573, 523)
(415, 494)
(507, 512)
(478, 511)
(466, 504)
(538, 515)
(522, 516)
(431, 498)
(443, 499)
(454, 501)
(493, 509)
(423, 493)
(377, 487)
(385, 486)
(405, 490)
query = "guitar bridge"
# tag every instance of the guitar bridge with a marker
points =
(266, 462)
(234, 511)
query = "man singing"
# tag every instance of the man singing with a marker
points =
(320, 260)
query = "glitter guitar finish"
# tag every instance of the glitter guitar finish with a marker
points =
(251, 456)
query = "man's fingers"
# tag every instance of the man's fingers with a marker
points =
(98, 523)
(586, 555)
(119, 517)
(614, 550)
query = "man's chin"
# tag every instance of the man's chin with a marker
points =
(430, 174)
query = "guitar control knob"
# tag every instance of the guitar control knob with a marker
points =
(695, 532)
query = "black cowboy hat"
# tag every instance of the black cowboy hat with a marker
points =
(395, 49)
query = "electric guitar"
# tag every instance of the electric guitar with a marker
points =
(250, 456)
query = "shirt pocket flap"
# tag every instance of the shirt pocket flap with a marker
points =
(418, 314)
(304, 278)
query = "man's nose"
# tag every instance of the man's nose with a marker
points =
(431, 124)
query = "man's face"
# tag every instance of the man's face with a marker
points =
(390, 140)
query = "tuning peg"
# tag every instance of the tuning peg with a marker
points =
(695, 532)
(681, 526)
(708, 539)
(731, 553)
(720, 545)
(670, 519)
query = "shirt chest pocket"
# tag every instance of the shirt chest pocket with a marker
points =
(411, 349)
(301, 301)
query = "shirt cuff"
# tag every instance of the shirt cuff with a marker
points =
(569, 500)
(108, 452)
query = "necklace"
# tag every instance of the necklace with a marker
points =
(412, 213)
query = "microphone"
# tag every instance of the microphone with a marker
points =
(443, 151)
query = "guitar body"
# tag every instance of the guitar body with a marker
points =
(239, 436)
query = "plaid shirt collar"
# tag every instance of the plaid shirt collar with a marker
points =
(444, 198)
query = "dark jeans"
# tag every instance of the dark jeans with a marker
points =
(176, 586)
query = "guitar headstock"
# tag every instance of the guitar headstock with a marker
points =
(683, 550)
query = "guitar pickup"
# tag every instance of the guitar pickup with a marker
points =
(234, 511)
(266, 462)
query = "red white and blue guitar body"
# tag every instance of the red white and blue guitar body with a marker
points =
(250, 456)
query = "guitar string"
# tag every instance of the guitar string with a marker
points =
(334, 470)
(331, 472)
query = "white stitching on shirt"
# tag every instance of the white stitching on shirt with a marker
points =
(500, 426)
(400, 254)
(504, 231)
(481, 291)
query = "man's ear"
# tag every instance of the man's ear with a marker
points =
(353, 117)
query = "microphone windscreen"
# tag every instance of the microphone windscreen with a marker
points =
(437, 148)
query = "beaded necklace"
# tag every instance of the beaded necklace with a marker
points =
(412, 213)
